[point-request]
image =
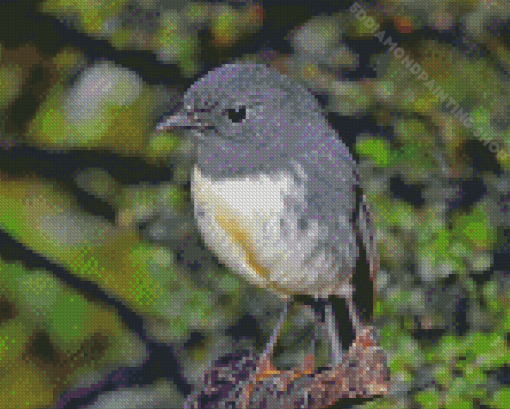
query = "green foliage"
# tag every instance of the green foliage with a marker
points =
(10, 84)
(183, 46)
(501, 399)
(92, 15)
(404, 353)
(375, 149)
(462, 366)
(394, 213)
(415, 157)
(411, 130)
(474, 229)
(429, 399)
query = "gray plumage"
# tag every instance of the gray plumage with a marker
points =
(272, 176)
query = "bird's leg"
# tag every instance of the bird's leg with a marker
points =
(332, 336)
(313, 318)
(264, 362)
(353, 316)
(336, 349)
(327, 327)
(268, 350)
(347, 293)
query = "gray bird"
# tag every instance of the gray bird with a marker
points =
(274, 189)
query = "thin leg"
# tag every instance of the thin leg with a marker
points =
(276, 332)
(314, 319)
(336, 350)
(265, 365)
(329, 333)
(353, 315)
(347, 294)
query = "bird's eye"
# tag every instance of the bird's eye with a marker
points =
(237, 115)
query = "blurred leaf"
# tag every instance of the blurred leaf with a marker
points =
(35, 212)
(224, 24)
(403, 352)
(481, 119)
(229, 24)
(416, 157)
(24, 387)
(412, 131)
(10, 84)
(490, 296)
(457, 396)
(15, 335)
(92, 14)
(197, 12)
(443, 375)
(383, 308)
(375, 149)
(476, 376)
(501, 399)
(447, 349)
(506, 320)
(67, 59)
(492, 350)
(394, 213)
(474, 229)
(83, 336)
(122, 37)
(408, 351)
(161, 145)
(176, 42)
(429, 399)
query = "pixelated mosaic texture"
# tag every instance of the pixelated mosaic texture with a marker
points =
(106, 303)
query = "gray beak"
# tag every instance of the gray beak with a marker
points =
(184, 119)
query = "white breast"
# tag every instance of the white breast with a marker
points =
(248, 223)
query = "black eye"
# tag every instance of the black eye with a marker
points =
(237, 115)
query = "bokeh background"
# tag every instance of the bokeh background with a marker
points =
(108, 297)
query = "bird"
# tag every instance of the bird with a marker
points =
(275, 190)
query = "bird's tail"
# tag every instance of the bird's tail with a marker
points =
(366, 229)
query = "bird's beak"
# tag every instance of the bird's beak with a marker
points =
(184, 119)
